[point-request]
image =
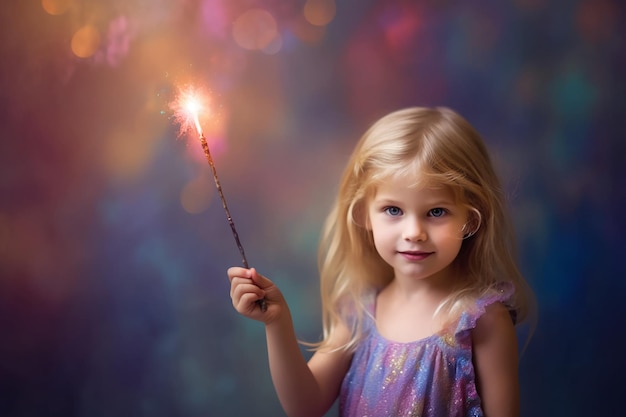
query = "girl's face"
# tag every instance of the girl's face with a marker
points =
(417, 231)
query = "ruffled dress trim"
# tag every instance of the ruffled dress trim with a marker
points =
(501, 293)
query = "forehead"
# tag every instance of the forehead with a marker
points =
(405, 188)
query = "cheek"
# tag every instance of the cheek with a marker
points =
(382, 236)
(382, 245)
(454, 240)
(454, 230)
(449, 237)
(375, 232)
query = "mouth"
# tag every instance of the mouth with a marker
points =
(415, 255)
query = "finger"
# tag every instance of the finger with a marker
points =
(242, 287)
(247, 303)
(259, 279)
(239, 285)
(237, 271)
(245, 288)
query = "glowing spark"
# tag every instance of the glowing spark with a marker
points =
(187, 106)
(193, 107)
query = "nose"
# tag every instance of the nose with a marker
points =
(414, 230)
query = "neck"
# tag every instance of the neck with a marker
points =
(437, 286)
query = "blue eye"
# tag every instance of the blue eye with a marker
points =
(393, 211)
(437, 212)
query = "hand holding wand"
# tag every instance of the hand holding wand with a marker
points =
(186, 107)
(207, 153)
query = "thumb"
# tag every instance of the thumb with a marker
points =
(259, 279)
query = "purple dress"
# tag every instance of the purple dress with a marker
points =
(430, 377)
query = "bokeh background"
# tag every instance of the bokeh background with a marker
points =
(113, 243)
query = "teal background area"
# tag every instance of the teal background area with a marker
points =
(114, 299)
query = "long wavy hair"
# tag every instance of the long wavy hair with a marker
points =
(437, 147)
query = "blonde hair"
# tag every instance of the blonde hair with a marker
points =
(435, 146)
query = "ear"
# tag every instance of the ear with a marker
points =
(471, 226)
(365, 217)
(360, 216)
(368, 223)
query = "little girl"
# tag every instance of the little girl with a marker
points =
(420, 290)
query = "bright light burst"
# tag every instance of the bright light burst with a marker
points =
(187, 106)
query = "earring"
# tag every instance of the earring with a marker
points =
(467, 235)
(477, 221)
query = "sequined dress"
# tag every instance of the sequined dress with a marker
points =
(430, 377)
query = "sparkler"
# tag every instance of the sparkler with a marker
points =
(187, 107)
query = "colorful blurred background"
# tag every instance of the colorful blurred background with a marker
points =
(114, 245)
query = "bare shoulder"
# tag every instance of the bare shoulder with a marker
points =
(495, 319)
(494, 337)
(337, 340)
(496, 361)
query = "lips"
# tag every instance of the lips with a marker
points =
(415, 255)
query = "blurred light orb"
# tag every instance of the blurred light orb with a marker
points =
(195, 196)
(306, 32)
(85, 41)
(56, 7)
(255, 29)
(319, 12)
(126, 154)
(274, 46)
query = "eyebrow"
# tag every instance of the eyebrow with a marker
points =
(385, 201)
(434, 203)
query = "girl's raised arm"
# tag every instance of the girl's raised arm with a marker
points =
(496, 362)
(304, 389)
